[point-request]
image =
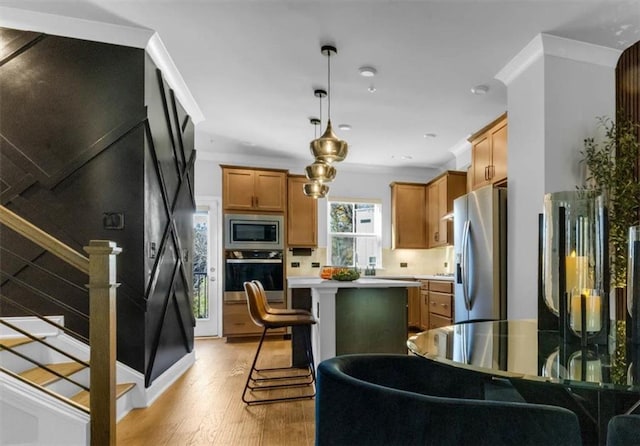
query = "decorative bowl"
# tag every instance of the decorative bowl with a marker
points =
(345, 274)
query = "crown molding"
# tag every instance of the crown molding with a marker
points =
(160, 56)
(136, 37)
(550, 45)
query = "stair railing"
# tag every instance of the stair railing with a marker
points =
(101, 268)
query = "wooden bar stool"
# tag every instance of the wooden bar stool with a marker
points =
(276, 377)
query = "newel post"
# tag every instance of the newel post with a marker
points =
(102, 338)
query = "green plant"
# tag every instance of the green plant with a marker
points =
(612, 170)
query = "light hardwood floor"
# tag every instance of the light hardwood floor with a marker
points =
(204, 406)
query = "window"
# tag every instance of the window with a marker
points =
(355, 233)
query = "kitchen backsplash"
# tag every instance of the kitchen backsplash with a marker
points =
(418, 261)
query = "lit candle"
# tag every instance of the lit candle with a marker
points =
(576, 271)
(593, 370)
(593, 311)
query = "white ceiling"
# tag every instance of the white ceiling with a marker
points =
(252, 66)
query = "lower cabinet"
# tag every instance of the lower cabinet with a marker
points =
(440, 303)
(424, 304)
(236, 321)
(413, 311)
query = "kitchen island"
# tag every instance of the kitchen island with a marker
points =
(362, 316)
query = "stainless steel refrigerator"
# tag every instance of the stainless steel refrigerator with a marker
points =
(480, 247)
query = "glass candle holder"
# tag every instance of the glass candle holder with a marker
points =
(633, 268)
(577, 242)
(586, 312)
(585, 366)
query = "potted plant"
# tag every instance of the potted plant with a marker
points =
(612, 170)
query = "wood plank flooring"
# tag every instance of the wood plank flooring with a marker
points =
(204, 407)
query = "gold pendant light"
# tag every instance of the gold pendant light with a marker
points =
(319, 171)
(315, 189)
(328, 148)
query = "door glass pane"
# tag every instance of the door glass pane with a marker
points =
(200, 266)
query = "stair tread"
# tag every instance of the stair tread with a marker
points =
(44, 377)
(14, 342)
(83, 397)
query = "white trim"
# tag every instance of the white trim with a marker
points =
(460, 147)
(54, 422)
(136, 37)
(160, 56)
(550, 45)
(525, 58)
(77, 28)
(164, 381)
(580, 51)
(31, 325)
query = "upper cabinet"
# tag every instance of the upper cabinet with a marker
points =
(441, 193)
(302, 215)
(489, 154)
(246, 189)
(408, 215)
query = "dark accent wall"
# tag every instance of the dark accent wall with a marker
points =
(88, 128)
(628, 87)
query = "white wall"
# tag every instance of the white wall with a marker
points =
(525, 166)
(556, 89)
(351, 182)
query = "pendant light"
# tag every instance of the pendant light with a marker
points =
(328, 148)
(320, 171)
(315, 189)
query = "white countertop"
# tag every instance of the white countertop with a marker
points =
(390, 277)
(363, 282)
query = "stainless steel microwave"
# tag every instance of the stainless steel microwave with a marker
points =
(253, 231)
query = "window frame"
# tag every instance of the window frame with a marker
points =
(375, 235)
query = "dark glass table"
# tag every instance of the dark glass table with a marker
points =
(596, 382)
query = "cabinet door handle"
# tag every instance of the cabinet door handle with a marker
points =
(492, 171)
(257, 203)
(486, 172)
(444, 305)
(436, 236)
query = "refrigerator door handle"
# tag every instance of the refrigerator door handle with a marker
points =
(465, 264)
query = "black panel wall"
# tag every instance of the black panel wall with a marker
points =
(86, 129)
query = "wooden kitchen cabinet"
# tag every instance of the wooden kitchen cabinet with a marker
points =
(247, 189)
(441, 193)
(408, 215)
(424, 304)
(302, 215)
(413, 310)
(441, 304)
(489, 154)
(236, 321)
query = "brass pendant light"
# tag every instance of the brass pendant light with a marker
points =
(328, 148)
(319, 171)
(315, 189)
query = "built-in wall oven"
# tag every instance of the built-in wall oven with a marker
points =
(254, 245)
(243, 266)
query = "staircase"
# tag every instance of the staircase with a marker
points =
(54, 388)
(59, 379)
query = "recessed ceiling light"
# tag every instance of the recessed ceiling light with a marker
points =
(371, 89)
(367, 71)
(345, 127)
(430, 135)
(480, 90)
